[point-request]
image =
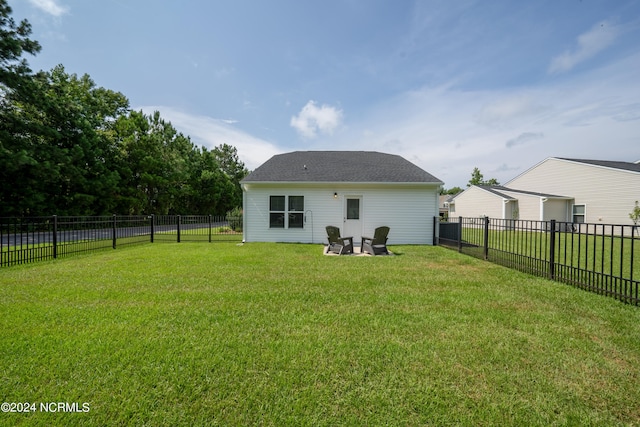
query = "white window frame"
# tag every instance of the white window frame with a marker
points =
(277, 213)
(583, 214)
(291, 218)
(293, 214)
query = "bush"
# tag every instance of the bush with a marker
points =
(234, 218)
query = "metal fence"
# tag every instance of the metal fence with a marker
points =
(25, 240)
(602, 258)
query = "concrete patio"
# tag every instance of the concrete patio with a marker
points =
(356, 252)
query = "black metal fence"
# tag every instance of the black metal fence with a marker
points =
(25, 240)
(602, 258)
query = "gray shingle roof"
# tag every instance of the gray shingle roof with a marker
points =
(497, 189)
(628, 166)
(494, 189)
(339, 166)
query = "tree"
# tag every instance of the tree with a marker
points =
(212, 188)
(478, 179)
(635, 215)
(227, 157)
(163, 172)
(452, 191)
(62, 147)
(14, 42)
(15, 89)
(71, 148)
(153, 160)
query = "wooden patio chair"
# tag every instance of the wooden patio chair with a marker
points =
(337, 244)
(376, 245)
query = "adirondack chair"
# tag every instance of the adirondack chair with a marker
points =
(337, 244)
(377, 244)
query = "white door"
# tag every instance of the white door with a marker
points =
(353, 217)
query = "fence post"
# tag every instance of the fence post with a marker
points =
(552, 251)
(55, 236)
(459, 234)
(435, 224)
(178, 220)
(210, 225)
(633, 238)
(486, 238)
(113, 228)
(152, 221)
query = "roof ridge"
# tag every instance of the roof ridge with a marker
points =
(613, 164)
(340, 166)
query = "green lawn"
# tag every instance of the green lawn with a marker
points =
(608, 255)
(277, 334)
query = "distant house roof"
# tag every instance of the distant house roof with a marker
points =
(499, 190)
(628, 166)
(339, 166)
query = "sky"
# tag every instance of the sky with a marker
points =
(499, 85)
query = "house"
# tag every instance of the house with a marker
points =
(507, 203)
(292, 197)
(572, 190)
(443, 205)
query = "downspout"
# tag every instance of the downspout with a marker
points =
(244, 213)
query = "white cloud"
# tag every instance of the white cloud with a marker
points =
(313, 120)
(210, 132)
(589, 44)
(448, 131)
(509, 109)
(52, 7)
(524, 138)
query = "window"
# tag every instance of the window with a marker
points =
(286, 212)
(276, 212)
(579, 214)
(353, 208)
(296, 211)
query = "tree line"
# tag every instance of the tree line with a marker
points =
(476, 179)
(69, 147)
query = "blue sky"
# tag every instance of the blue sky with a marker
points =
(449, 85)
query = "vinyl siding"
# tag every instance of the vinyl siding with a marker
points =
(539, 208)
(475, 202)
(407, 210)
(609, 194)
(557, 209)
(528, 205)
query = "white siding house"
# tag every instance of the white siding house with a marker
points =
(476, 201)
(507, 203)
(602, 191)
(292, 198)
(571, 190)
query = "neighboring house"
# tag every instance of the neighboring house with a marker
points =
(507, 203)
(292, 197)
(443, 205)
(573, 190)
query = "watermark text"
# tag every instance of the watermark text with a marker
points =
(66, 407)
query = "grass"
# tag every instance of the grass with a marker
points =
(617, 256)
(277, 334)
